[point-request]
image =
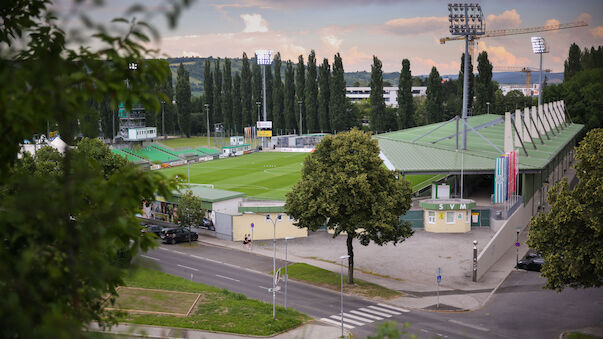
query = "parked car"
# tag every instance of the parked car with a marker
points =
(178, 234)
(155, 229)
(531, 262)
(207, 223)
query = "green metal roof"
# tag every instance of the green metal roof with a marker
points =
(210, 194)
(425, 156)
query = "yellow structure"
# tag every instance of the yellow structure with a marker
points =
(447, 215)
(255, 212)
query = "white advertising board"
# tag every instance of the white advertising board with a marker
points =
(264, 124)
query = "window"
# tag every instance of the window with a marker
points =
(450, 217)
(431, 217)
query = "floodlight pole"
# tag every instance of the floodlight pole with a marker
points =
(465, 87)
(540, 90)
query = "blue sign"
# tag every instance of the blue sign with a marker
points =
(251, 225)
(439, 278)
(517, 244)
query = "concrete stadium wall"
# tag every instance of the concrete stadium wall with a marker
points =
(264, 230)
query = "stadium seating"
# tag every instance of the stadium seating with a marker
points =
(153, 154)
(129, 156)
(164, 149)
(208, 151)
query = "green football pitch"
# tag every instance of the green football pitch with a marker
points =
(268, 175)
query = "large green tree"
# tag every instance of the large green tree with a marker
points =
(311, 94)
(236, 104)
(227, 97)
(377, 114)
(406, 107)
(256, 84)
(289, 100)
(300, 86)
(277, 96)
(246, 95)
(217, 99)
(183, 101)
(484, 87)
(340, 119)
(345, 184)
(570, 235)
(572, 65)
(324, 97)
(269, 101)
(435, 98)
(190, 211)
(583, 95)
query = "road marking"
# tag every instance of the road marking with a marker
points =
(394, 308)
(266, 288)
(229, 278)
(366, 315)
(346, 320)
(347, 315)
(381, 309)
(375, 312)
(189, 268)
(146, 256)
(331, 321)
(469, 325)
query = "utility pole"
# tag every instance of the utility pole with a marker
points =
(207, 115)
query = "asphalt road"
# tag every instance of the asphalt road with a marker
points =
(247, 273)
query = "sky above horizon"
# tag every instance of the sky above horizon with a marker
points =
(389, 29)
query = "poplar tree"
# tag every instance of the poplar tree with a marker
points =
(435, 98)
(169, 111)
(376, 99)
(300, 86)
(483, 85)
(227, 97)
(208, 89)
(340, 119)
(572, 65)
(246, 103)
(257, 88)
(183, 101)
(406, 107)
(236, 104)
(471, 84)
(277, 96)
(324, 82)
(269, 92)
(311, 93)
(289, 100)
(217, 111)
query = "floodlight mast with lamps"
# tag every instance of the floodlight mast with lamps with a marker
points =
(264, 57)
(539, 47)
(466, 19)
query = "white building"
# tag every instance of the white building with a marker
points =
(389, 93)
(527, 91)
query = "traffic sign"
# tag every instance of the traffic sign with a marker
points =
(517, 244)
(276, 289)
(251, 225)
(439, 278)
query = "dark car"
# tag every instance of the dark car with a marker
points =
(207, 223)
(179, 234)
(531, 262)
(155, 229)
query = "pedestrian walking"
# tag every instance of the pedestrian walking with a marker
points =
(246, 240)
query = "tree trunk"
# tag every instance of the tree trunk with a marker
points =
(350, 259)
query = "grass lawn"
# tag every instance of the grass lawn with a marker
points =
(217, 309)
(265, 175)
(578, 335)
(155, 300)
(321, 277)
(200, 141)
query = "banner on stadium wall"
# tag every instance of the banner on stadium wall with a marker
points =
(248, 133)
(265, 133)
(506, 169)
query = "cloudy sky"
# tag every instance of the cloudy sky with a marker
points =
(390, 29)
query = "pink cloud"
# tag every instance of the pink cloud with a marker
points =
(443, 67)
(597, 32)
(507, 19)
(500, 56)
(417, 25)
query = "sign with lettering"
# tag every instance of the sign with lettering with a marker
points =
(447, 206)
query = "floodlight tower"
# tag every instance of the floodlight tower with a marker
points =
(466, 19)
(263, 57)
(539, 47)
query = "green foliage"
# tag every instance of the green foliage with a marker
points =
(583, 95)
(227, 97)
(217, 98)
(340, 119)
(406, 107)
(246, 102)
(569, 236)
(300, 88)
(278, 108)
(325, 118)
(435, 98)
(65, 219)
(483, 85)
(269, 93)
(236, 104)
(460, 80)
(572, 65)
(311, 97)
(209, 90)
(289, 99)
(345, 183)
(390, 330)
(377, 115)
(183, 101)
(256, 85)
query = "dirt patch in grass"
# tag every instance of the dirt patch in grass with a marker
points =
(151, 300)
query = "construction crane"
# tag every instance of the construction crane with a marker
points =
(527, 70)
(514, 31)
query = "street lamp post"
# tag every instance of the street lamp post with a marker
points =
(300, 118)
(277, 219)
(286, 264)
(256, 128)
(539, 47)
(488, 104)
(343, 257)
(466, 19)
(474, 261)
(207, 115)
